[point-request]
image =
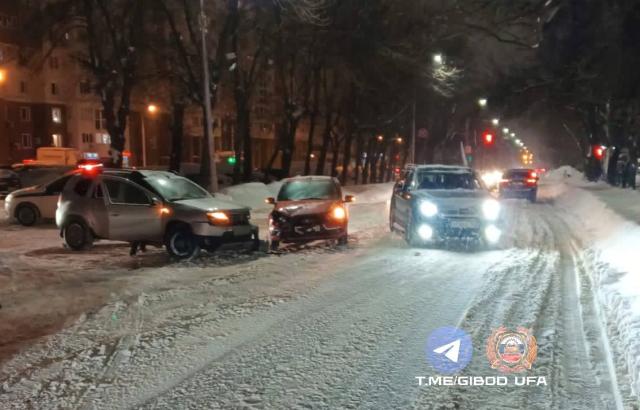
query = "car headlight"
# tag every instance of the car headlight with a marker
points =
(218, 218)
(428, 209)
(491, 209)
(338, 213)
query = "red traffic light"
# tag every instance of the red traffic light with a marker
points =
(488, 138)
(598, 151)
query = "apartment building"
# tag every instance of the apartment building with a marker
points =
(48, 99)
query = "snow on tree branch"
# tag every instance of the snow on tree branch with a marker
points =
(315, 12)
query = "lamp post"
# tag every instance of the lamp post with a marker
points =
(213, 175)
(151, 109)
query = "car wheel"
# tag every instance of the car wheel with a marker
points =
(27, 214)
(77, 235)
(410, 236)
(343, 240)
(181, 243)
(274, 245)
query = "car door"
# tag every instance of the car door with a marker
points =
(402, 199)
(131, 213)
(48, 202)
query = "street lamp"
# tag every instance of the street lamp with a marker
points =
(399, 140)
(3, 75)
(495, 121)
(513, 135)
(482, 102)
(505, 130)
(380, 138)
(437, 59)
(208, 129)
(151, 109)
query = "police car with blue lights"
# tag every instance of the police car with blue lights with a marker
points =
(437, 203)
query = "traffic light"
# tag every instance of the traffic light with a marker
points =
(231, 160)
(598, 152)
(488, 138)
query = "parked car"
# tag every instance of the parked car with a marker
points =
(519, 183)
(32, 204)
(156, 207)
(436, 203)
(9, 181)
(307, 209)
(36, 174)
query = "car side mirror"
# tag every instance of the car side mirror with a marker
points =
(349, 198)
(270, 200)
(399, 186)
(155, 202)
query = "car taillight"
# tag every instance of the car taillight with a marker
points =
(531, 181)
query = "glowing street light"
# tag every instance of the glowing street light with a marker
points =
(379, 137)
(482, 102)
(399, 140)
(505, 130)
(152, 108)
(3, 76)
(513, 135)
(495, 121)
(437, 59)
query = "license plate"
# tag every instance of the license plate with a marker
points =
(464, 224)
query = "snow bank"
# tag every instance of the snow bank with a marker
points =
(603, 217)
(565, 172)
(251, 194)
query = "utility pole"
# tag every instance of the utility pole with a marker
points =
(413, 130)
(213, 174)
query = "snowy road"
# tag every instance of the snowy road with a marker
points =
(331, 328)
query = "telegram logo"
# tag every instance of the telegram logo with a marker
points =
(449, 349)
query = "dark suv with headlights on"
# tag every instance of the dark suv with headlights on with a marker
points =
(155, 207)
(436, 203)
(308, 209)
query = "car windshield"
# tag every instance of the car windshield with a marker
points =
(447, 180)
(175, 188)
(308, 189)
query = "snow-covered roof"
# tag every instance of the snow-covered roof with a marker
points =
(441, 167)
(308, 178)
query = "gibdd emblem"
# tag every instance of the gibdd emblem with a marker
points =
(511, 352)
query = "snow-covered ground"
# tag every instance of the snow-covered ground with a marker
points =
(320, 327)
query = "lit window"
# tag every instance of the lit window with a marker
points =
(56, 115)
(103, 138)
(26, 141)
(56, 140)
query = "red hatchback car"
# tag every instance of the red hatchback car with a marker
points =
(309, 209)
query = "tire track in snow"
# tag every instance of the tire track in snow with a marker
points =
(537, 285)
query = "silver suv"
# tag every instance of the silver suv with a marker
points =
(154, 207)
